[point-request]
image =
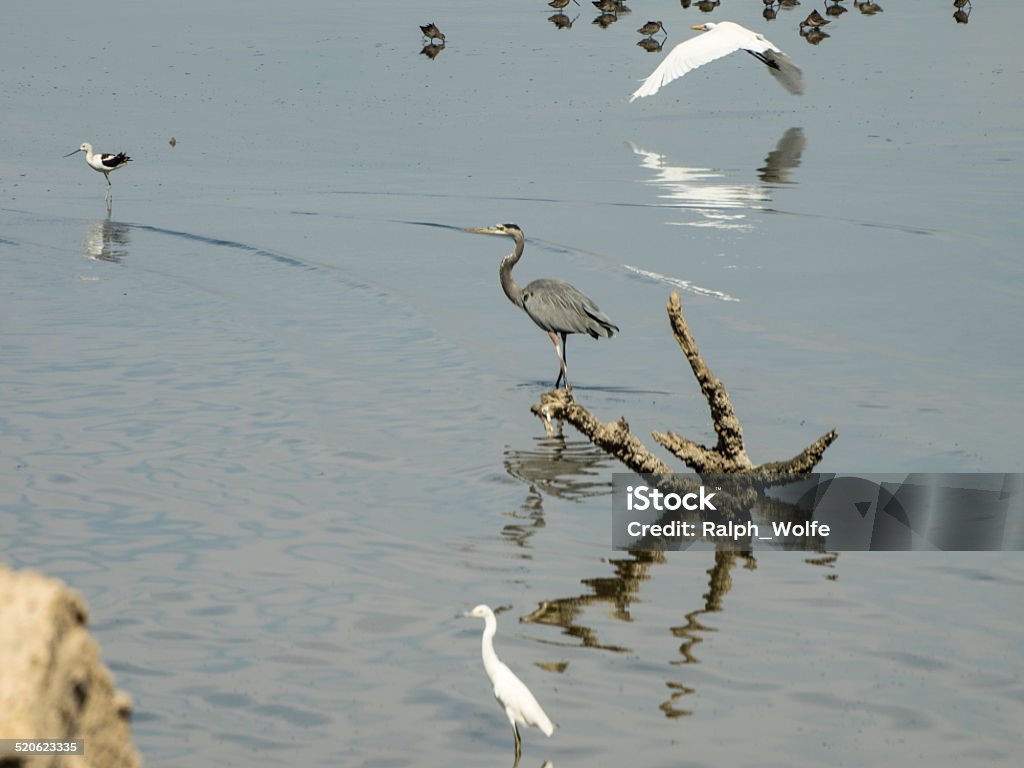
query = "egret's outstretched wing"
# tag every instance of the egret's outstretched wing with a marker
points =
(690, 54)
(785, 71)
(721, 40)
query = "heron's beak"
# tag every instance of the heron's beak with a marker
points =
(69, 154)
(483, 231)
(698, 27)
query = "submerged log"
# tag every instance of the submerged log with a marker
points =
(728, 456)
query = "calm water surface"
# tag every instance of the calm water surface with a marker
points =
(276, 430)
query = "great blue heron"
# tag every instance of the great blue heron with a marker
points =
(515, 698)
(102, 162)
(557, 307)
(720, 40)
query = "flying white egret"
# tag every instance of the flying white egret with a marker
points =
(720, 40)
(511, 692)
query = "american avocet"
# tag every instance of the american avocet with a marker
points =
(102, 162)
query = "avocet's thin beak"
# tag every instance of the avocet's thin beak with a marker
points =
(69, 154)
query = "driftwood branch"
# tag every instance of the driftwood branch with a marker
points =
(728, 456)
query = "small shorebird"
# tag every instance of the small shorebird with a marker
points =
(814, 20)
(430, 30)
(651, 27)
(102, 162)
(560, 4)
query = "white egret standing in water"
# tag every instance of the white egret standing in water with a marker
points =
(519, 704)
(720, 40)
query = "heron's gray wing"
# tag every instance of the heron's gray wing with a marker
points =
(785, 71)
(563, 308)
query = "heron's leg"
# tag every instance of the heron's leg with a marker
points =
(519, 748)
(565, 360)
(563, 372)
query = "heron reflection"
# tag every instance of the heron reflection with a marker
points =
(106, 240)
(566, 469)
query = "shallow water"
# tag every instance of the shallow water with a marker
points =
(275, 427)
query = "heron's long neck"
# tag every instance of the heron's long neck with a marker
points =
(508, 283)
(487, 646)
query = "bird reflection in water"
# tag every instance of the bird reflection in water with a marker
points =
(651, 45)
(813, 35)
(835, 9)
(565, 469)
(561, 21)
(106, 240)
(560, 468)
(431, 50)
(771, 10)
(867, 8)
(605, 20)
(721, 204)
(963, 11)
(707, 6)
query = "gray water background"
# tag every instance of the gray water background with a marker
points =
(276, 431)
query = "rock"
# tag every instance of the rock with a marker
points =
(54, 685)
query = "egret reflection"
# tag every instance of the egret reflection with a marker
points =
(721, 205)
(106, 240)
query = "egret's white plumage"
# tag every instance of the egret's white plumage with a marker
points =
(720, 40)
(519, 704)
